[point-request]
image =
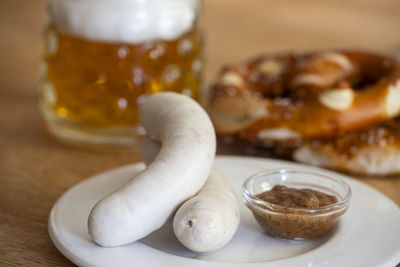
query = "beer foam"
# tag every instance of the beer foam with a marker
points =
(129, 21)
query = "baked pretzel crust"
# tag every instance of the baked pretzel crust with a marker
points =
(299, 96)
(334, 109)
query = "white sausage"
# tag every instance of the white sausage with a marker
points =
(149, 150)
(178, 172)
(209, 220)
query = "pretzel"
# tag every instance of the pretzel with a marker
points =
(374, 150)
(294, 97)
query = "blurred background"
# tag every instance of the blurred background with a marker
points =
(235, 30)
(37, 169)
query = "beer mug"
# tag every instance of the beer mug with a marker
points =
(103, 56)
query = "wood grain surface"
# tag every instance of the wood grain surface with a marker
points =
(35, 169)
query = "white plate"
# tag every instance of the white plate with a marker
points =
(368, 233)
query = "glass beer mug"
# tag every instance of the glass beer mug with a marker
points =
(103, 56)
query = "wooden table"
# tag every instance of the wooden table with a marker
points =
(35, 169)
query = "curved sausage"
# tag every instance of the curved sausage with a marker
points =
(178, 172)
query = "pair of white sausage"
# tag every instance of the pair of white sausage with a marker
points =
(207, 221)
(179, 171)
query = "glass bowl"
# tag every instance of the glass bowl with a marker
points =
(296, 223)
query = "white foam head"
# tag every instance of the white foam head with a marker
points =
(129, 21)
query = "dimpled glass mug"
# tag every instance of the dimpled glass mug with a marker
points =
(103, 56)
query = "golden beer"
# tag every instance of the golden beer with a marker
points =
(90, 88)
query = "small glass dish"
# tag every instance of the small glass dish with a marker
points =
(296, 223)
